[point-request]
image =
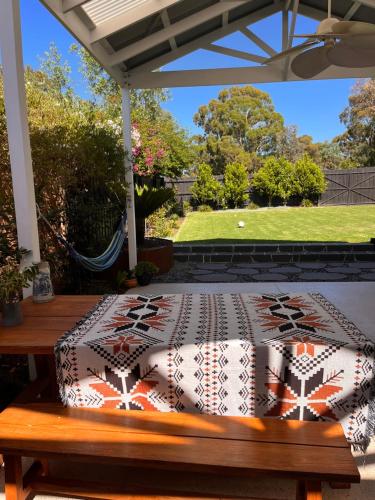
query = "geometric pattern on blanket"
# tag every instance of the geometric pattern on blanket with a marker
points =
(290, 356)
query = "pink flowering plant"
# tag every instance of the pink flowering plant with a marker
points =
(148, 153)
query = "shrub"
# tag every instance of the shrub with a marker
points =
(145, 267)
(206, 190)
(160, 224)
(204, 208)
(236, 185)
(252, 206)
(308, 179)
(274, 179)
(147, 201)
(306, 203)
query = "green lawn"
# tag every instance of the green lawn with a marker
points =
(347, 223)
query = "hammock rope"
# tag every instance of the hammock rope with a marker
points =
(101, 262)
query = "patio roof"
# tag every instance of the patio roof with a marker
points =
(133, 39)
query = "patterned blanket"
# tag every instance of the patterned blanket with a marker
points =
(287, 356)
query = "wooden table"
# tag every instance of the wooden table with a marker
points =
(43, 325)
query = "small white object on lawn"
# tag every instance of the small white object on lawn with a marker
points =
(241, 223)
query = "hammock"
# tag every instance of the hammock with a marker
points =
(103, 261)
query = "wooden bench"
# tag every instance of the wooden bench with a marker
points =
(308, 452)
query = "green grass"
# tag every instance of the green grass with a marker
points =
(347, 224)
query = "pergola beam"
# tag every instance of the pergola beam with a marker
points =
(353, 9)
(284, 28)
(235, 76)
(166, 23)
(68, 5)
(313, 13)
(173, 30)
(131, 16)
(18, 131)
(368, 3)
(202, 41)
(258, 41)
(240, 54)
(290, 37)
(204, 77)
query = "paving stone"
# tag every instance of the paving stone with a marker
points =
(363, 265)
(316, 276)
(242, 270)
(270, 277)
(212, 266)
(261, 265)
(216, 278)
(287, 270)
(343, 269)
(311, 265)
(199, 271)
(367, 276)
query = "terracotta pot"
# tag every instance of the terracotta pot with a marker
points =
(132, 283)
(12, 314)
(156, 250)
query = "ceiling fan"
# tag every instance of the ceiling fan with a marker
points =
(349, 44)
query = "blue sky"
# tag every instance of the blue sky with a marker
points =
(312, 106)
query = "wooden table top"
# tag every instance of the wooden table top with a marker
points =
(44, 324)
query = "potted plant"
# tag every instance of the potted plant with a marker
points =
(145, 271)
(126, 279)
(12, 281)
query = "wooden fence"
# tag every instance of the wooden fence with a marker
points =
(345, 187)
(349, 187)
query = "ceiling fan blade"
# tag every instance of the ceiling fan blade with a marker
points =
(363, 42)
(311, 62)
(290, 51)
(344, 56)
(353, 28)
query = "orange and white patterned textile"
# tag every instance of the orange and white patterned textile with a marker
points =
(291, 356)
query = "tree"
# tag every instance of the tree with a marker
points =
(310, 147)
(218, 153)
(308, 179)
(105, 91)
(332, 157)
(358, 142)
(206, 190)
(288, 144)
(236, 185)
(246, 116)
(274, 179)
(57, 72)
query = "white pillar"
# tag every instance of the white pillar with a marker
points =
(18, 130)
(129, 177)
